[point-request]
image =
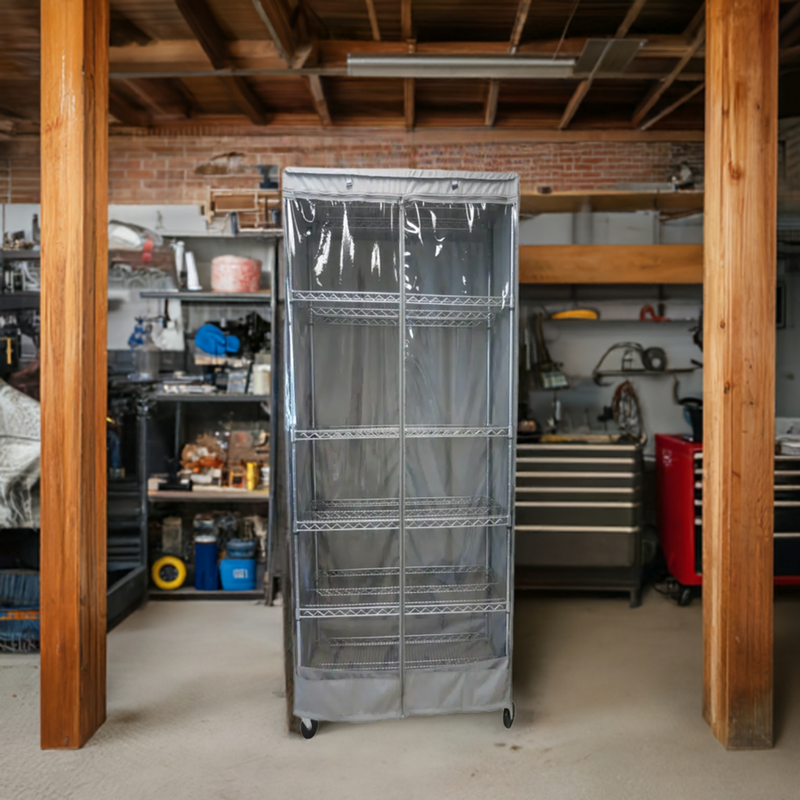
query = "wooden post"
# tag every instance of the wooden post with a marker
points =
(739, 381)
(74, 101)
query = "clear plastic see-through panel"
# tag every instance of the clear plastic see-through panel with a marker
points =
(457, 428)
(345, 340)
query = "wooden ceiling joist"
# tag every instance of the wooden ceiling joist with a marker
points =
(200, 19)
(630, 18)
(490, 113)
(575, 102)
(789, 30)
(122, 110)
(294, 51)
(658, 89)
(206, 30)
(406, 33)
(275, 16)
(373, 20)
(519, 24)
(406, 25)
(179, 55)
(493, 96)
(186, 99)
(303, 42)
(318, 96)
(672, 107)
(172, 95)
(123, 31)
(409, 101)
(583, 87)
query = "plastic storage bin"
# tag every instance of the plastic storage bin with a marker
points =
(238, 574)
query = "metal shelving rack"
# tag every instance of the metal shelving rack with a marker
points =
(419, 612)
(265, 301)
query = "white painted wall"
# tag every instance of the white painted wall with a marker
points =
(579, 345)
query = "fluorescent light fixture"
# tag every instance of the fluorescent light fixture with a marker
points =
(416, 66)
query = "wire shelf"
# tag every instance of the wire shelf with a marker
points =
(393, 609)
(424, 318)
(386, 298)
(436, 583)
(383, 309)
(383, 654)
(378, 572)
(419, 513)
(500, 303)
(393, 432)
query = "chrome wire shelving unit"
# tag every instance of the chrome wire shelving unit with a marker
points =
(402, 443)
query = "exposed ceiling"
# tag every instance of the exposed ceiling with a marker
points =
(282, 64)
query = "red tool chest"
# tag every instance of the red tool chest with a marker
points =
(679, 464)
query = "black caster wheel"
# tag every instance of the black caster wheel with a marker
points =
(508, 715)
(308, 727)
(635, 598)
(685, 596)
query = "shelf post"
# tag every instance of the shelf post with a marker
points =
(74, 115)
(739, 379)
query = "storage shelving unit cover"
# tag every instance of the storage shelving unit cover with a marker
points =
(401, 423)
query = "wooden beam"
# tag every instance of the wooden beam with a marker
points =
(698, 20)
(658, 89)
(15, 115)
(187, 100)
(630, 18)
(672, 107)
(523, 9)
(789, 19)
(174, 55)
(247, 100)
(373, 20)
(274, 15)
(124, 31)
(406, 26)
(409, 104)
(367, 128)
(739, 376)
(318, 96)
(490, 109)
(575, 101)
(790, 26)
(200, 19)
(126, 113)
(492, 98)
(581, 91)
(74, 92)
(206, 30)
(146, 97)
(574, 263)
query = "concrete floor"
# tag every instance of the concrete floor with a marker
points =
(608, 706)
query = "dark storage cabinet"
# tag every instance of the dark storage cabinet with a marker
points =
(579, 516)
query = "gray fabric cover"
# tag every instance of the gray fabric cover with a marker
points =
(401, 458)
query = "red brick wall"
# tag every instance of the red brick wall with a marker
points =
(161, 169)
